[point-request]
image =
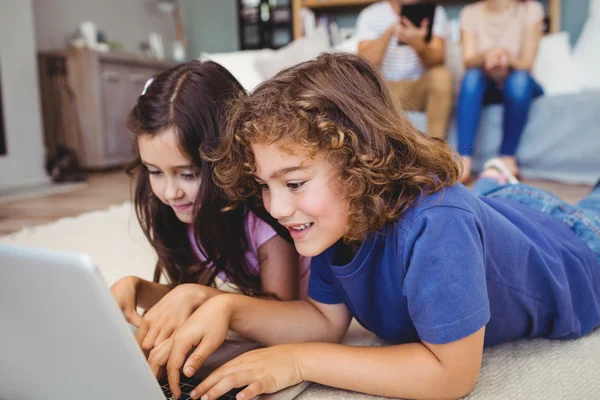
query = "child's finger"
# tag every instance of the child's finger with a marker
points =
(135, 319)
(218, 387)
(222, 380)
(148, 343)
(159, 356)
(164, 334)
(176, 359)
(142, 332)
(255, 388)
(199, 356)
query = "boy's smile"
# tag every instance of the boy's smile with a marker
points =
(302, 195)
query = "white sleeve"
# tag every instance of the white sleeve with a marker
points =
(364, 27)
(440, 23)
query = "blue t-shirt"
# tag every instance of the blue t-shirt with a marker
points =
(457, 262)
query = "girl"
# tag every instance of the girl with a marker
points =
(500, 40)
(436, 270)
(179, 208)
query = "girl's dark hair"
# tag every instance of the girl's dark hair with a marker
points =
(192, 100)
(338, 107)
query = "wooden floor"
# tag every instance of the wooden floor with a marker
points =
(109, 188)
(102, 190)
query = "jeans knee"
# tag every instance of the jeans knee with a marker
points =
(440, 79)
(474, 80)
(517, 86)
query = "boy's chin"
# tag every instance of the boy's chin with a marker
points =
(308, 249)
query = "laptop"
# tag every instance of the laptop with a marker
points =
(63, 336)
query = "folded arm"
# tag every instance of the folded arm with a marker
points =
(416, 370)
(271, 322)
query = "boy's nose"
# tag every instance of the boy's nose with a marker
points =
(279, 206)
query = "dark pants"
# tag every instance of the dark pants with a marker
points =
(478, 90)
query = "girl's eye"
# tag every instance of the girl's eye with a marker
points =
(191, 176)
(263, 187)
(295, 185)
(154, 172)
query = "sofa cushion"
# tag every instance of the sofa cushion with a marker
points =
(241, 65)
(298, 51)
(561, 141)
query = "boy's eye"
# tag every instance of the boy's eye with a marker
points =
(295, 185)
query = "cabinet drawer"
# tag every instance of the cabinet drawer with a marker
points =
(121, 85)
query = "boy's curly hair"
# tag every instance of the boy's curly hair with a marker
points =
(338, 107)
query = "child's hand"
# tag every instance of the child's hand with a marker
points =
(206, 328)
(124, 291)
(263, 371)
(170, 313)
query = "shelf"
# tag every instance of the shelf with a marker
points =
(321, 4)
(335, 3)
(264, 26)
(554, 9)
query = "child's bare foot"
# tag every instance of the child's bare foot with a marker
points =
(467, 165)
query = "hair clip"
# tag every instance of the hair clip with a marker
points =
(147, 85)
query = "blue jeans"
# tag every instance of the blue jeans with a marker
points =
(583, 218)
(478, 90)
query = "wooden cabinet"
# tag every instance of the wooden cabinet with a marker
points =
(86, 97)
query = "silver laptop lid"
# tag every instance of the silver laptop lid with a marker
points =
(62, 335)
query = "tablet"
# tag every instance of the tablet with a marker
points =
(417, 12)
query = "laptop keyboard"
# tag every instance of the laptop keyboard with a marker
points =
(187, 385)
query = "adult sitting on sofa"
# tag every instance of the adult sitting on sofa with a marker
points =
(500, 39)
(414, 69)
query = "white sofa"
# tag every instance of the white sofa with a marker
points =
(561, 141)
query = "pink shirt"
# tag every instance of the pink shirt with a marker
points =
(506, 29)
(258, 232)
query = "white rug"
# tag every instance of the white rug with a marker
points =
(533, 369)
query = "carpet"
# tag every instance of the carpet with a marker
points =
(525, 369)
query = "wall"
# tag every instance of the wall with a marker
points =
(573, 17)
(211, 26)
(24, 163)
(124, 21)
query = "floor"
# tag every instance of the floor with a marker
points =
(101, 191)
(109, 188)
